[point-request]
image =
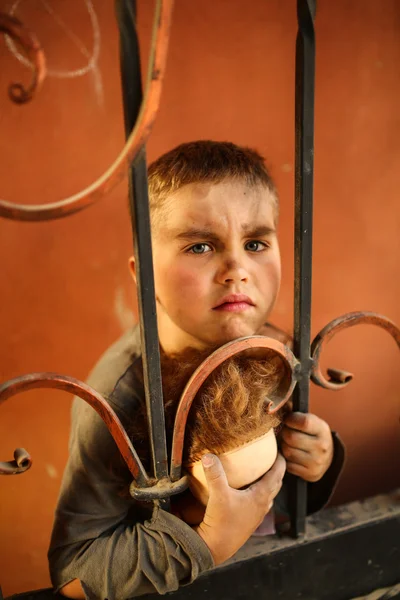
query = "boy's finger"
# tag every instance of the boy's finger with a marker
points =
(295, 455)
(297, 439)
(274, 476)
(304, 422)
(299, 470)
(214, 472)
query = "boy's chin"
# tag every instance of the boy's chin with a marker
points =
(223, 338)
(233, 333)
(216, 336)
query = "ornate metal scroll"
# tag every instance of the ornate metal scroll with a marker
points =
(22, 461)
(339, 379)
(118, 170)
(301, 364)
(144, 486)
(31, 45)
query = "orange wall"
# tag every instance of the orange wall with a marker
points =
(65, 288)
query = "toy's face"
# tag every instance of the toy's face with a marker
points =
(216, 264)
(242, 466)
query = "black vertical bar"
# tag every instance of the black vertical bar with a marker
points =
(304, 172)
(140, 214)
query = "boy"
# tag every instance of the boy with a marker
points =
(214, 213)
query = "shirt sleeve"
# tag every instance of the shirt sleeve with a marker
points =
(99, 536)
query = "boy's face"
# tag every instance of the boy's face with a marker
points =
(216, 264)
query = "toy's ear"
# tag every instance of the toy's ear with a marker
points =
(132, 267)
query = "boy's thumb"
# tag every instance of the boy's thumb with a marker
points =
(214, 472)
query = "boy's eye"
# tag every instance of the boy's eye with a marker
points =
(255, 246)
(199, 249)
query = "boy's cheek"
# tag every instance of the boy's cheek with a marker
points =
(188, 280)
(178, 282)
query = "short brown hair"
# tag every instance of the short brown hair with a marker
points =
(205, 161)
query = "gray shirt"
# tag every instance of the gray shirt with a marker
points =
(101, 536)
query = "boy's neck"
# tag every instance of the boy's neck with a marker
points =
(175, 341)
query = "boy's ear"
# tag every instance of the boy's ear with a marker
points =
(132, 267)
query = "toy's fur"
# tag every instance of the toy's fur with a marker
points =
(230, 408)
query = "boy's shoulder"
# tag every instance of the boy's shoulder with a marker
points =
(115, 376)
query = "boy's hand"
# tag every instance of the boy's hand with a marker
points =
(307, 445)
(233, 515)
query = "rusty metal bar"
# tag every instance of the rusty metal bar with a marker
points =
(304, 171)
(138, 137)
(140, 215)
(13, 27)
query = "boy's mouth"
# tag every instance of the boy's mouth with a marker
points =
(234, 303)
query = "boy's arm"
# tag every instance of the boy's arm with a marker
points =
(101, 552)
(98, 537)
(157, 556)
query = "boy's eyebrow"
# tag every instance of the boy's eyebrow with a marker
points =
(248, 231)
(259, 231)
(195, 234)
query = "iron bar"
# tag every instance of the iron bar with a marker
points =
(140, 214)
(304, 170)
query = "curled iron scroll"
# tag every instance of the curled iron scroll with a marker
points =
(21, 463)
(31, 45)
(140, 133)
(205, 369)
(22, 460)
(339, 379)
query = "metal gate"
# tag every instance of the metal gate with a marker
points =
(140, 109)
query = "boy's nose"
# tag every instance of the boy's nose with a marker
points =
(233, 272)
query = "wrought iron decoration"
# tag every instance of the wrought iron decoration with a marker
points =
(302, 363)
